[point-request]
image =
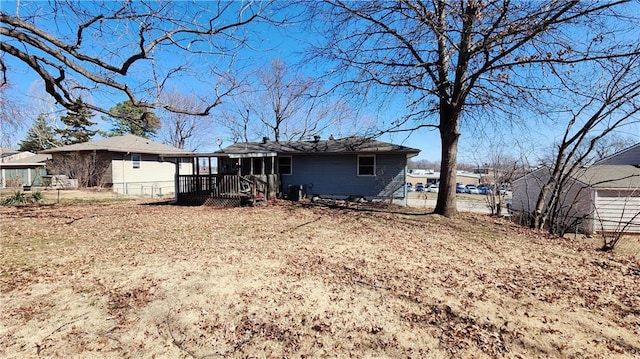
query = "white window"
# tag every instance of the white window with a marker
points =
(135, 159)
(366, 165)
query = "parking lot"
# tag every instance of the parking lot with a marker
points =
(465, 202)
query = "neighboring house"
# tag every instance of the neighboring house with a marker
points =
(333, 168)
(628, 156)
(5, 152)
(18, 169)
(128, 164)
(604, 197)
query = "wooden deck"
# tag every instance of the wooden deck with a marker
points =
(221, 190)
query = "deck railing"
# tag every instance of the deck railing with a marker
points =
(201, 187)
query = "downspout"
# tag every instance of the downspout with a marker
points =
(124, 192)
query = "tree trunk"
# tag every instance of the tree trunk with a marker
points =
(449, 136)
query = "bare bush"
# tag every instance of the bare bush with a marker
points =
(89, 168)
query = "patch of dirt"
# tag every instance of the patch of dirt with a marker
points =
(133, 279)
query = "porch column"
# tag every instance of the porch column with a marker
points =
(176, 180)
(210, 179)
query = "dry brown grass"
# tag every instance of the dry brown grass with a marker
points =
(66, 196)
(142, 280)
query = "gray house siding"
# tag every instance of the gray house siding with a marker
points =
(586, 208)
(630, 156)
(337, 175)
(526, 190)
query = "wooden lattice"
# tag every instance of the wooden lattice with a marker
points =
(223, 202)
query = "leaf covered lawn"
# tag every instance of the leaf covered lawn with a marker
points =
(137, 279)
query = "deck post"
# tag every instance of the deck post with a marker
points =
(254, 192)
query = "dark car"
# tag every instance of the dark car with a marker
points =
(484, 189)
(419, 187)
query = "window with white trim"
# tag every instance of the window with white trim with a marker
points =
(135, 160)
(366, 165)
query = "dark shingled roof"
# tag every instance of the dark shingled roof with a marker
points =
(347, 145)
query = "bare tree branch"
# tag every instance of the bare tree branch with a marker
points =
(451, 59)
(107, 46)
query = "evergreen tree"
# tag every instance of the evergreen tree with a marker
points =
(77, 122)
(137, 120)
(40, 136)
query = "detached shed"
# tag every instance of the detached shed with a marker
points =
(600, 198)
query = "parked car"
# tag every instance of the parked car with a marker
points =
(484, 189)
(460, 188)
(410, 187)
(420, 187)
(471, 189)
(432, 188)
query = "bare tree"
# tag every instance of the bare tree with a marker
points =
(287, 103)
(450, 59)
(118, 47)
(614, 104)
(609, 145)
(283, 105)
(88, 168)
(235, 116)
(179, 129)
(12, 115)
(422, 164)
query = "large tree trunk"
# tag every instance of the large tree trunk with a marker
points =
(449, 136)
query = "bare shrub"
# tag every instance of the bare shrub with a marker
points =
(88, 168)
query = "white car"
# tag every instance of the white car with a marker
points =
(472, 189)
(432, 188)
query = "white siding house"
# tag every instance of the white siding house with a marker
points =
(604, 197)
(134, 165)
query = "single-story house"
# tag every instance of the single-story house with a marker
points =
(333, 168)
(127, 164)
(18, 169)
(604, 197)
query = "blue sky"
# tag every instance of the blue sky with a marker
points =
(269, 42)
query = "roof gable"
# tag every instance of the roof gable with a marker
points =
(628, 156)
(610, 176)
(332, 146)
(24, 159)
(125, 143)
(621, 177)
